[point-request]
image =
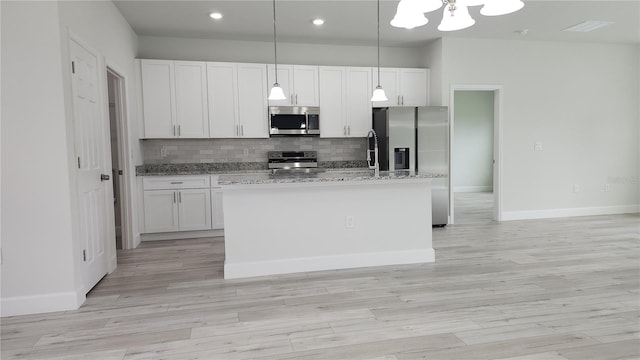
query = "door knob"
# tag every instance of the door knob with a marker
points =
(104, 177)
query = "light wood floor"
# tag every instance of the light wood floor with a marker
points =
(525, 290)
(473, 207)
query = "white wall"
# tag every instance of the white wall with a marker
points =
(41, 269)
(473, 141)
(38, 266)
(288, 53)
(432, 59)
(580, 100)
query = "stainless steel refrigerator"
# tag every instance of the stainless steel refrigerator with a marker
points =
(417, 138)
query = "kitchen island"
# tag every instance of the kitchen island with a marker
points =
(276, 224)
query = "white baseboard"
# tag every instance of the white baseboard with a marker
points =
(178, 235)
(37, 304)
(473, 188)
(559, 213)
(317, 263)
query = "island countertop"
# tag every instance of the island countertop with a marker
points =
(260, 178)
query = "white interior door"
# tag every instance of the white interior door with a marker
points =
(93, 163)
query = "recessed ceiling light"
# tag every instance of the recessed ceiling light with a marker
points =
(587, 26)
(318, 22)
(215, 15)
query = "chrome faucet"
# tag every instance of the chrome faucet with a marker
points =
(376, 165)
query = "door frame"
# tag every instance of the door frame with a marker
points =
(127, 180)
(498, 101)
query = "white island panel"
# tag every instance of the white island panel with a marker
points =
(297, 227)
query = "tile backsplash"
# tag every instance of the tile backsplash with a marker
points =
(248, 150)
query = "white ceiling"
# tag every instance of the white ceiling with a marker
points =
(354, 22)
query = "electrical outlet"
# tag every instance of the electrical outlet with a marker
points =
(576, 188)
(349, 222)
(163, 151)
(607, 187)
(538, 146)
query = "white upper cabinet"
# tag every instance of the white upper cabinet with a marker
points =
(403, 86)
(237, 100)
(158, 97)
(223, 100)
(174, 95)
(191, 99)
(305, 86)
(414, 85)
(345, 101)
(299, 84)
(252, 100)
(359, 91)
(333, 106)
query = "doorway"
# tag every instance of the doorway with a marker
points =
(115, 101)
(475, 154)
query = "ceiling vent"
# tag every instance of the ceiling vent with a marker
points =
(587, 26)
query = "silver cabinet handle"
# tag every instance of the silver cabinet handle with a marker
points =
(344, 130)
(296, 99)
(179, 197)
(174, 197)
(402, 99)
(349, 130)
(242, 130)
(104, 177)
(173, 130)
(179, 130)
(237, 131)
(176, 182)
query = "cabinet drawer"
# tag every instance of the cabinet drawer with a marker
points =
(176, 182)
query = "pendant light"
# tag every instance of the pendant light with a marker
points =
(378, 93)
(410, 13)
(276, 91)
(455, 17)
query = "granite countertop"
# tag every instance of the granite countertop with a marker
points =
(321, 176)
(230, 168)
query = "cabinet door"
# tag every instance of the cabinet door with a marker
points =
(285, 79)
(305, 86)
(191, 99)
(158, 98)
(358, 95)
(217, 216)
(252, 100)
(223, 100)
(414, 87)
(332, 102)
(160, 211)
(194, 209)
(390, 81)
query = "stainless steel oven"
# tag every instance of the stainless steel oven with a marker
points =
(294, 120)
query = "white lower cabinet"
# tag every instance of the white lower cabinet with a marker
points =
(194, 209)
(160, 211)
(180, 204)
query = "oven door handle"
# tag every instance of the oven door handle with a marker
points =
(306, 122)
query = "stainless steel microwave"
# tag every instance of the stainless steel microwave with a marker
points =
(294, 120)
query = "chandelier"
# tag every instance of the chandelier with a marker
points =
(410, 13)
